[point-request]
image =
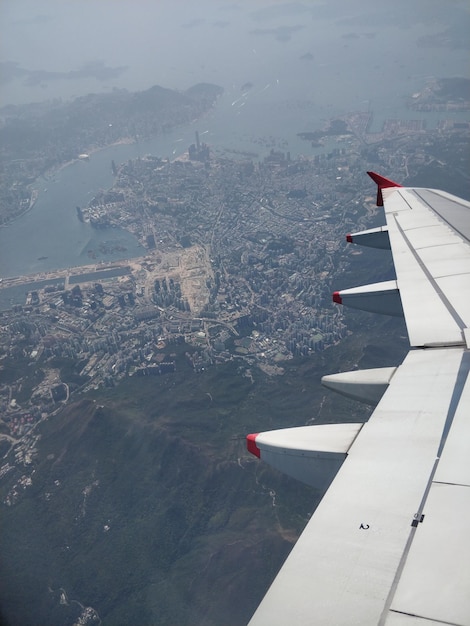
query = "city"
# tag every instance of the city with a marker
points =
(240, 261)
(128, 387)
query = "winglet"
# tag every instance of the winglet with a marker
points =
(382, 183)
(251, 445)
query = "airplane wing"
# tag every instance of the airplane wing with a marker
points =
(388, 543)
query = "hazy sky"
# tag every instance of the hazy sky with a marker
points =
(179, 42)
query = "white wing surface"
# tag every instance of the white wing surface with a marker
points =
(389, 542)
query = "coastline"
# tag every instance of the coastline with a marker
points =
(55, 169)
(32, 202)
(51, 171)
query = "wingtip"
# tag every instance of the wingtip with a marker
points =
(382, 183)
(337, 298)
(349, 238)
(251, 445)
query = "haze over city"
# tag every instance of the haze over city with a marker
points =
(177, 180)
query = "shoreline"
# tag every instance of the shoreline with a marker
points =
(55, 169)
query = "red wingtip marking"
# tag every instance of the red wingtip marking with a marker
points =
(382, 183)
(251, 445)
(349, 238)
(337, 298)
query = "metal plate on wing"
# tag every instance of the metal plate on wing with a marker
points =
(431, 263)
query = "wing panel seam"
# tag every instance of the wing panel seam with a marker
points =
(443, 482)
(424, 618)
(459, 386)
(456, 317)
(436, 212)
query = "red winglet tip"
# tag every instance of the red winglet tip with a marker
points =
(349, 238)
(337, 298)
(251, 445)
(382, 183)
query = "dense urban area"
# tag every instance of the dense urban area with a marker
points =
(122, 483)
(240, 259)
